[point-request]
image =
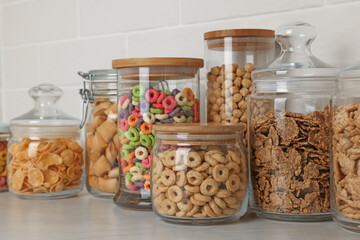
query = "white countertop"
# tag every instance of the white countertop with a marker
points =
(85, 217)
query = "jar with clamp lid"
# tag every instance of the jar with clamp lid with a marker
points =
(99, 96)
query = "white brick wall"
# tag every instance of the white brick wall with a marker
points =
(50, 40)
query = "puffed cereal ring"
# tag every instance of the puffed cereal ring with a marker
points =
(145, 128)
(161, 97)
(152, 95)
(180, 214)
(209, 211)
(122, 100)
(179, 118)
(194, 210)
(124, 124)
(233, 167)
(169, 207)
(193, 159)
(216, 209)
(168, 177)
(189, 94)
(202, 167)
(135, 170)
(209, 187)
(132, 120)
(220, 202)
(223, 193)
(147, 185)
(202, 198)
(161, 116)
(220, 173)
(169, 102)
(231, 156)
(181, 99)
(175, 193)
(125, 104)
(229, 211)
(194, 178)
(145, 140)
(138, 91)
(196, 202)
(185, 205)
(141, 153)
(239, 195)
(217, 155)
(149, 117)
(200, 214)
(230, 200)
(233, 183)
(157, 189)
(192, 189)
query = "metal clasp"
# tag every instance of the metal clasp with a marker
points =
(86, 96)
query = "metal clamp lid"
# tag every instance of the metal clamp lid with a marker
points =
(86, 96)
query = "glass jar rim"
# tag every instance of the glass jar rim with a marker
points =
(200, 128)
(243, 32)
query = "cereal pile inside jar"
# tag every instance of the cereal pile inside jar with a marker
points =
(140, 109)
(346, 164)
(45, 165)
(229, 88)
(102, 144)
(193, 182)
(3, 158)
(290, 162)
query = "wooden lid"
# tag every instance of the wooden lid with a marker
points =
(201, 128)
(239, 33)
(157, 62)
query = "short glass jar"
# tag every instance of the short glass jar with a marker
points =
(345, 164)
(45, 159)
(150, 91)
(230, 57)
(289, 126)
(4, 137)
(102, 143)
(199, 173)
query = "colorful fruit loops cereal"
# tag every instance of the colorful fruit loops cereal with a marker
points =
(191, 182)
(3, 154)
(139, 110)
(45, 165)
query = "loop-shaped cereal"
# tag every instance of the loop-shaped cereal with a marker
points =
(127, 146)
(135, 144)
(132, 187)
(193, 159)
(181, 179)
(149, 117)
(193, 211)
(145, 128)
(220, 202)
(141, 153)
(233, 167)
(214, 157)
(179, 118)
(156, 110)
(136, 113)
(161, 116)
(216, 209)
(169, 102)
(196, 202)
(130, 157)
(124, 153)
(202, 198)
(185, 205)
(202, 167)
(194, 178)
(233, 183)
(124, 124)
(189, 94)
(125, 104)
(209, 187)
(186, 108)
(133, 134)
(145, 140)
(169, 207)
(158, 105)
(137, 178)
(138, 91)
(161, 97)
(124, 141)
(159, 188)
(135, 170)
(152, 95)
(232, 156)
(192, 189)
(209, 211)
(223, 193)
(132, 120)
(170, 158)
(146, 163)
(168, 177)
(181, 99)
(147, 185)
(220, 173)
(122, 99)
(175, 193)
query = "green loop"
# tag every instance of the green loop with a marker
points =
(136, 99)
(134, 144)
(189, 119)
(152, 138)
(121, 134)
(146, 171)
(127, 146)
(156, 110)
(133, 134)
(167, 93)
(129, 176)
(145, 140)
(124, 153)
(138, 91)
(139, 165)
(153, 132)
(186, 108)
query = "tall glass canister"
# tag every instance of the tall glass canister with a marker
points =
(289, 126)
(345, 163)
(150, 91)
(99, 96)
(231, 56)
(4, 137)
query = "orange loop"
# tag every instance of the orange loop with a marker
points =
(197, 101)
(189, 94)
(145, 128)
(124, 141)
(147, 185)
(132, 120)
(130, 157)
(147, 177)
(127, 168)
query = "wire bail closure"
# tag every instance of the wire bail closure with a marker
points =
(86, 96)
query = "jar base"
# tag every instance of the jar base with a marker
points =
(100, 194)
(319, 217)
(45, 196)
(347, 224)
(4, 190)
(132, 201)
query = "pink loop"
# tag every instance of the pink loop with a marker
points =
(168, 110)
(2, 181)
(150, 126)
(124, 124)
(164, 147)
(146, 162)
(137, 108)
(136, 113)
(123, 99)
(152, 95)
(157, 105)
(132, 187)
(169, 102)
(161, 97)
(123, 163)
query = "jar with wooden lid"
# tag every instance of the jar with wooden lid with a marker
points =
(45, 158)
(289, 124)
(150, 91)
(4, 138)
(230, 57)
(199, 173)
(102, 144)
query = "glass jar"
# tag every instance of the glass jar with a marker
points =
(231, 56)
(45, 159)
(99, 96)
(345, 164)
(199, 173)
(4, 137)
(289, 143)
(150, 91)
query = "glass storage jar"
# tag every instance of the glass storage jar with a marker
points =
(99, 96)
(150, 91)
(4, 137)
(199, 173)
(45, 159)
(230, 57)
(289, 143)
(345, 164)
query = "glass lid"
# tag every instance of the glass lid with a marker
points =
(352, 72)
(45, 115)
(296, 62)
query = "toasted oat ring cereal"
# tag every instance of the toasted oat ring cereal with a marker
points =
(202, 167)
(192, 189)
(194, 210)
(200, 214)
(185, 205)
(196, 202)
(216, 209)
(231, 156)
(169, 207)
(180, 214)
(229, 211)
(217, 155)
(220, 173)
(181, 179)
(233, 168)
(168, 177)
(193, 159)
(159, 189)
(194, 178)
(230, 200)
(202, 198)
(170, 159)
(209, 187)
(222, 193)
(233, 183)
(209, 211)
(220, 202)
(175, 193)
